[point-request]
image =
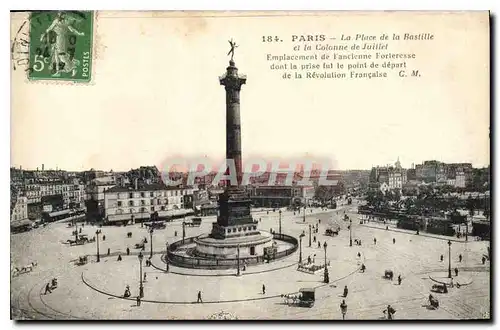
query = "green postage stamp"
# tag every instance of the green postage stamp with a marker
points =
(61, 45)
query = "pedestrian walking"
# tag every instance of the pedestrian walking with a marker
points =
(483, 259)
(144, 277)
(359, 255)
(138, 299)
(309, 259)
(199, 297)
(460, 258)
(456, 271)
(343, 309)
(390, 312)
(314, 239)
(393, 241)
(399, 280)
(47, 288)
(128, 251)
(374, 241)
(80, 230)
(441, 257)
(109, 251)
(346, 291)
(103, 237)
(263, 289)
(119, 257)
(319, 244)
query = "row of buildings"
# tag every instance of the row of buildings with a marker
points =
(390, 177)
(136, 194)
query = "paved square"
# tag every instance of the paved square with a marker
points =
(95, 290)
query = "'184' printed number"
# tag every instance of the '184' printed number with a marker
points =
(271, 39)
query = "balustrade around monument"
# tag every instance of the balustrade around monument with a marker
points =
(212, 263)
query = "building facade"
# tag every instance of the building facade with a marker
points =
(122, 203)
(280, 196)
(20, 209)
(394, 177)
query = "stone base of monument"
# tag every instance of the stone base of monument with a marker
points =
(249, 246)
(207, 252)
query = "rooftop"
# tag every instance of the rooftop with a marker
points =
(145, 187)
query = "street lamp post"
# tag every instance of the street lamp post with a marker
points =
(238, 273)
(183, 231)
(98, 231)
(76, 230)
(304, 220)
(166, 257)
(350, 232)
(466, 229)
(280, 221)
(449, 259)
(300, 248)
(310, 235)
(326, 279)
(141, 288)
(151, 239)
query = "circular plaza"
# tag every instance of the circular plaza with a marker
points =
(95, 290)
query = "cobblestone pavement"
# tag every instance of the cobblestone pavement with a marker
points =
(93, 291)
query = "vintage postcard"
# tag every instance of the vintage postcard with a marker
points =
(250, 165)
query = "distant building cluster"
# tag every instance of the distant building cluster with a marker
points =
(389, 177)
(39, 191)
(431, 172)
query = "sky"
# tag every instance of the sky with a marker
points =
(155, 96)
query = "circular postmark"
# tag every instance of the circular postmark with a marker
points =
(54, 45)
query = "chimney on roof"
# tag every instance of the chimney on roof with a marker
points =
(37, 169)
(43, 166)
(135, 183)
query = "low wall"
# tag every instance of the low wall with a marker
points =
(212, 263)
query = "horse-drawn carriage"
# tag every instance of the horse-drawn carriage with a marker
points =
(333, 231)
(389, 274)
(83, 260)
(25, 269)
(82, 239)
(139, 245)
(440, 288)
(305, 298)
(195, 222)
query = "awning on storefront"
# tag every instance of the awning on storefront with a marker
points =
(55, 214)
(21, 223)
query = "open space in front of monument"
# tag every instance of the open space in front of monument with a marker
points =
(95, 290)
